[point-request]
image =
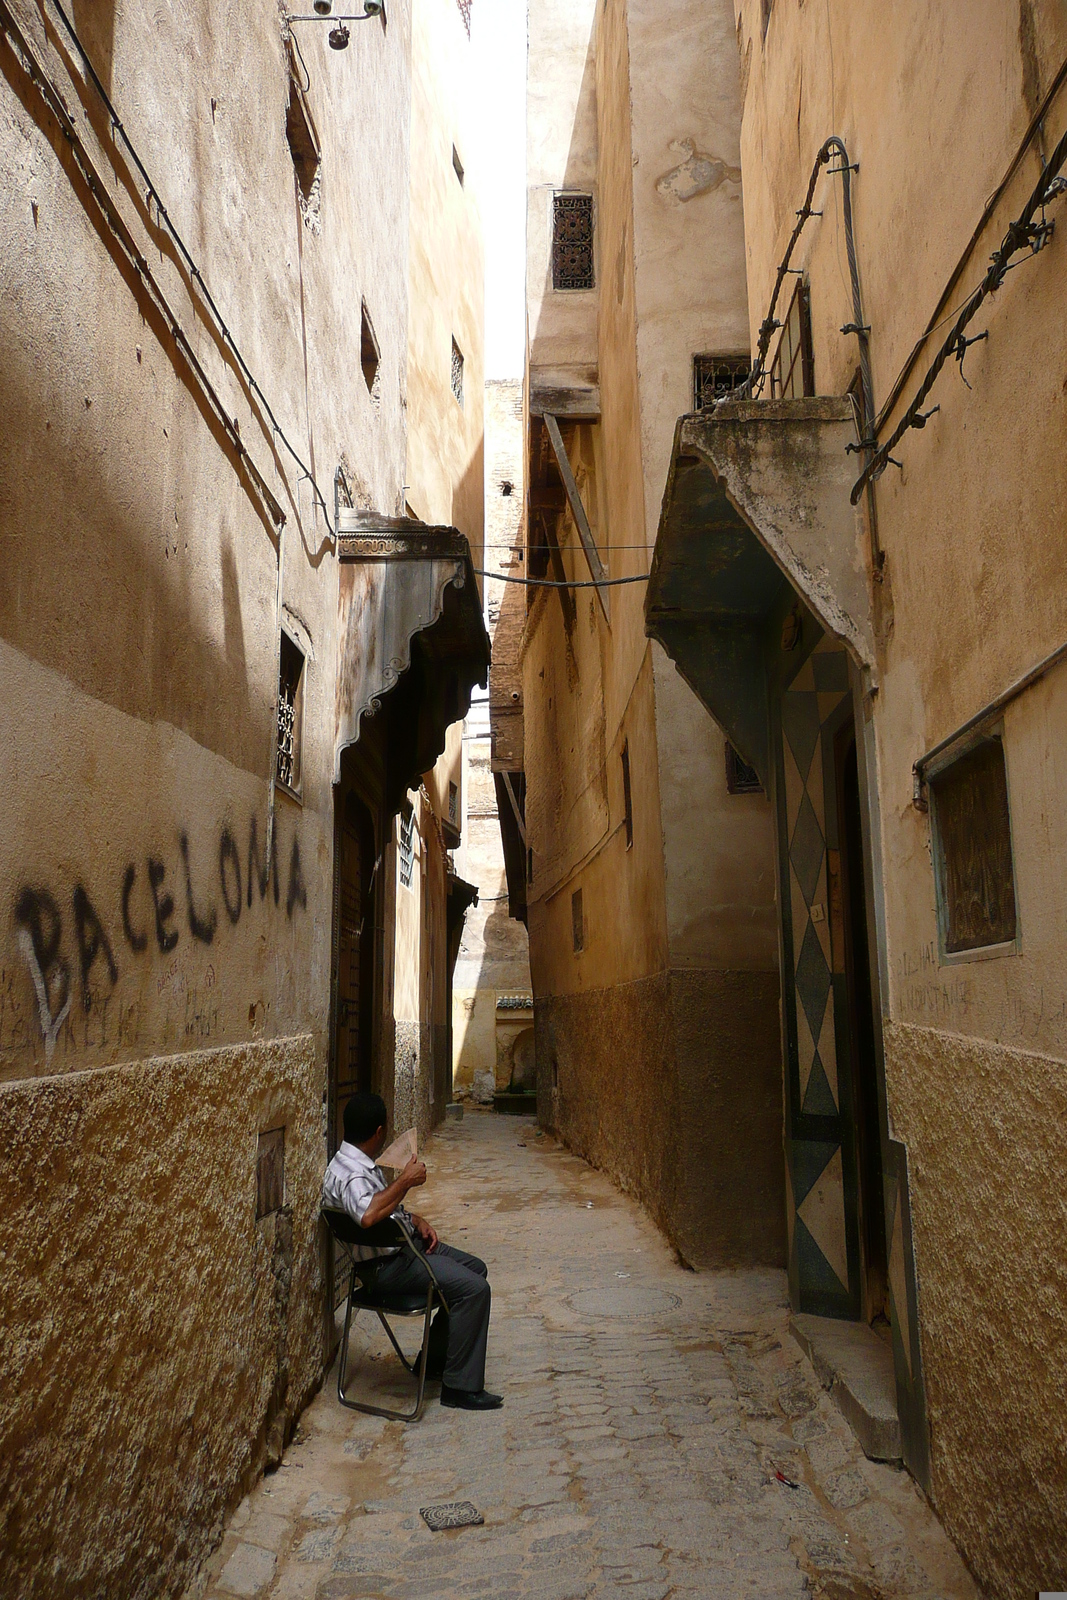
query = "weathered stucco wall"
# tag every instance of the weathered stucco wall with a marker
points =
(494, 949)
(971, 599)
(164, 986)
(158, 1339)
(648, 995)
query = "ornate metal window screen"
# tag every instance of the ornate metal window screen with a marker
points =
(406, 848)
(572, 241)
(290, 713)
(453, 804)
(740, 777)
(457, 371)
(716, 378)
(465, 13)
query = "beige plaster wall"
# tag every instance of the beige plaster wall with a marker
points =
(159, 1007)
(494, 949)
(971, 599)
(447, 279)
(678, 944)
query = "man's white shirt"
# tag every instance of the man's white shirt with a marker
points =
(351, 1183)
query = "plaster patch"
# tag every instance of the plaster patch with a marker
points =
(695, 174)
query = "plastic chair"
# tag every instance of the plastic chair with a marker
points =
(364, 1296)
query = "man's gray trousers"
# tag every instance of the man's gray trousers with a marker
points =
(458, 1338)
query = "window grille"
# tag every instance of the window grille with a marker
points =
(793, 372)
(972, 841)
(716, 377)
(465, 13)
(740, 777)
(406, 847)
(457, 371)
(453, 805)
(572, 241)
(290, 713)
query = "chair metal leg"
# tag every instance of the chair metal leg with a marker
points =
(420, 1397)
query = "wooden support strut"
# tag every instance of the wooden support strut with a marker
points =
(597, 570)
(515, 807)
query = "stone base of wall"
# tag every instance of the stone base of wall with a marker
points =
(159, 1341)
(673, 1085)
(986, 1132)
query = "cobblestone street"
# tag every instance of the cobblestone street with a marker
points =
(647, 1412)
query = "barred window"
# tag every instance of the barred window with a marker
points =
(793, 371)
(406, 847)
(972, 850)
(290, 713)
(716, 377)
(572, 241)
(457, 371)
(453, 805)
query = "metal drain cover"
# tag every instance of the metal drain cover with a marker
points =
(622, 1300)
(455, 1514)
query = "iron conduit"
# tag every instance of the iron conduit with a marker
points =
(1022, 233)
(1036, 123)
(153, 199)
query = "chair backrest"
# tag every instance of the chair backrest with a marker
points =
(382, 1236)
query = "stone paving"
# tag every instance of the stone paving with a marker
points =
(647, 1412)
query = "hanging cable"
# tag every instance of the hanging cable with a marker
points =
(551, 583)
(152, 198)
(1023, 234)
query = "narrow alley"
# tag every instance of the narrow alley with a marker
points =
(648, 1410)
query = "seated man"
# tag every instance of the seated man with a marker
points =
(458, 1337)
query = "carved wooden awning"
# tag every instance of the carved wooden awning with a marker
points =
(413, 640)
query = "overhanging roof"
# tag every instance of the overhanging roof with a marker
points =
(413, 638)
(756, 505)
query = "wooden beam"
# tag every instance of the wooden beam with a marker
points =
(515, 807)
(592, 555)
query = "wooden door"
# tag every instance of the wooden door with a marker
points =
(355, 974)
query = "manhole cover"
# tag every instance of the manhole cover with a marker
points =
(455, 1514)
(622, 1300)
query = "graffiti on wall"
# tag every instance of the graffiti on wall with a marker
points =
(76, 958)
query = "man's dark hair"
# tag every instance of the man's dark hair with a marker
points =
(364, 1115)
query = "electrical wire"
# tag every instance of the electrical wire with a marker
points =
(152, 197)
(550, 583)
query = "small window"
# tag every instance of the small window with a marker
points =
(453, 805)
(457, 371)
(627, 801)
(572, 241)
(406, 848)
(369, 356)
(457, 164)
(716, 377)
(766, 7)
(301, 133)
(290, 714)
(793, 371)
(577, 921)
(270, 1172)
(972, 844)
(740, 777)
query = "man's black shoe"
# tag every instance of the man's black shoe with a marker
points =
(465, 1400)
